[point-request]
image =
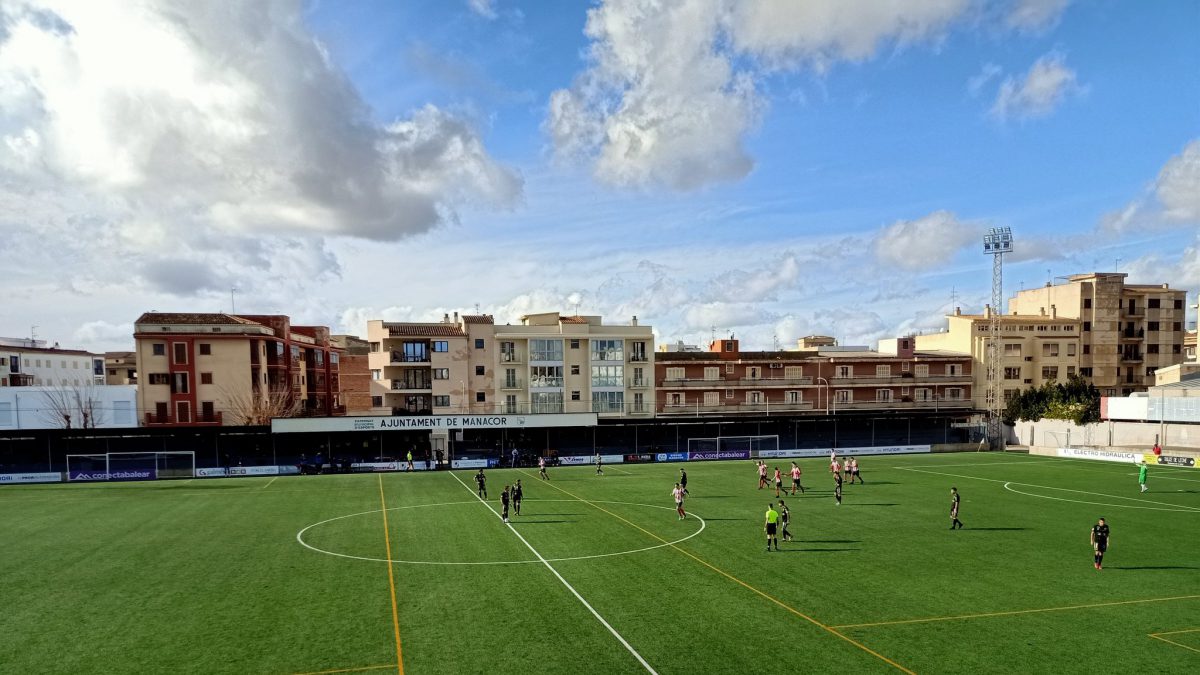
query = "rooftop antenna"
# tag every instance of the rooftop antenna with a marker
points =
(713, 338)
(477, 308)
(33, 335)
(775, 341)
(953, 297)
(232, 304)
(1117, 265)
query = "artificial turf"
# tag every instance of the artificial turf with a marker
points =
(209, 576)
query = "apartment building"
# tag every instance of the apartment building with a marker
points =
(226, 369)
(354, 373)
(120, 368)
(1127, 331)
(819, 379)
(31, 363)
(548, 363)
(1189, 346)
(1034, 348)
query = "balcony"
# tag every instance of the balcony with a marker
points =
(1129, 334)
(1131, 357)
(156, 420)
(545, 382)
(638, 383)
(510, 357)
(511, 383)
(735, 408)
(638, 357)
(771, 381)
(411, 385)
(399, 357)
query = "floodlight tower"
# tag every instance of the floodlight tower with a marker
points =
(996, 243)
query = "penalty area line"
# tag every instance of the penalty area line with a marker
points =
(984, 615)
(571, 588)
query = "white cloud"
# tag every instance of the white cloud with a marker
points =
(1178, 185)
(103, 332)
(1035, 15)
(926, 242)
(723, 315)
(484, 8)
(986, 74)
(1046, 85)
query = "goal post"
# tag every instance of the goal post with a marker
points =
(751, 444)
(117, 466)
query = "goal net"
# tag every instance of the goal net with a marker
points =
(132, 466)
(733, 443)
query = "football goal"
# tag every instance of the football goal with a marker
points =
(132, 465)
(729, 443)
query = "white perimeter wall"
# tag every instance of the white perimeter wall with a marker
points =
(1054, 434)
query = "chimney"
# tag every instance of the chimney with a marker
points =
(1053, 312)
(1041, 311)
(634, 320)
(456, 317)
(445, 318)
(958, 311)
(987, 311)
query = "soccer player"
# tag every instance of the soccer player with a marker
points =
(516, 454)
(599, 471)
(762, 474)
(481, 482)
(678, 493)
(683, 482)
(542, 468)
(785, 518)
(778, 477)
(517, 493)
(837, 487)
(955, 499)
(1142, 470)
(1099, 542)
(410, 466)
(834, 467)
(771, 524)
(796, 479)
(504, 504)
(854, 471)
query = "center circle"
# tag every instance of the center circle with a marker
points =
(300, 536)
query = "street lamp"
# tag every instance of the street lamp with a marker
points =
(821, 379)
(463, 406)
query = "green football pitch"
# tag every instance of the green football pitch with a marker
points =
(598, 575)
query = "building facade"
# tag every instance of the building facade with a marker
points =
(1127, 331)
(1034, 349)
(30, 363)
(817, 380)
(120, 368)
(548, 363)
(214, 369)
(354, 373)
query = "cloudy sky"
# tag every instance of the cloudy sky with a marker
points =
(766, 167)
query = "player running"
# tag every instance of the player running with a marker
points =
(1099, 542)
(683, 482)
(678, 493)
(854, 471)
(796, 479)
(785, 518)
(762, 474)
(599, 471)
(837, 488)
(1142, 471)
(481, 482)
(771, 524)
(504, 504)
(955, 499)
(542, 469)
(517, 493)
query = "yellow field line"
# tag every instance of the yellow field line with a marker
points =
(738, 581)
(349, 670)
(387, 539)
(1177, 632)
(1159, 636)
(1013, 613)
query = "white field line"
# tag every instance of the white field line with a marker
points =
(571, 588)
(1049, 487)
(269, 482)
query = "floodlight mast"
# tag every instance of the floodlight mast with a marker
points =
(996, 243)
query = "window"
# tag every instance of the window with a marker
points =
(608, 401)
(844, 396)
(1152, 303)
(608, 350)
(676, 399)
(545, 350)
(510, 404)
(480, 397)
(441, 401)
(1177, 326)
(1049, 349)
(923, 394)
(159, 378)
(727, 345)
(574, 344)
(674, 373)
(375, 347)
(207, 412)
(728, 368)
(158, 349)
(1041, 328)
(183, 411)
(1151, 326)
(508, 351)
(754, 397)
(1049, 372)
(1087, 349)
(205, 378)
(921, 370)
(1176, 349)
(845, 371)
(1070, 349)
(179, 383)
(1012, 349)
(728, 393)
(1150, 371)
(792, 397)
(883, 395)
(608, 376)
(205, 349)
(1087, 326)
(546, 402)
(479, 370)
(793, 372)
(883, 371)
(1087, 303)
(1178, 304)
(545, 376)
(376, 401)
(122, 412)
(574, 370)
(575, 395)
(954, 393)
(1152, 349)
(953, 369)
(1012, 373)
(1085, 372)
(712, 398)
(439, 346)
(441, 373)
(712, 373)
(478, 343)
(412, 352)
(1070, 371)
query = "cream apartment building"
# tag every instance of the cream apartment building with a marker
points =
(1034, 349)
(1127, 331)
(548, 363)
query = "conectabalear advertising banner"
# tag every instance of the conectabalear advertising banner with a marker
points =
(705, 455)
(15, 478)
(123, 474)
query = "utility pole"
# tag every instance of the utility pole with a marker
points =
(232, 305)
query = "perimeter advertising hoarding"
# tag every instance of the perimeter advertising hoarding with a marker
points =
(705, 455)
(429, 422)
(149, 473)
(17, 478)
(577, 460)
(1175, 460)
(1101, 455)
(845, 452)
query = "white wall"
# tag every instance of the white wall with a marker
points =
(1109, 434)
(29, 407)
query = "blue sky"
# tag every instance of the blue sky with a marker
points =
(773, 169)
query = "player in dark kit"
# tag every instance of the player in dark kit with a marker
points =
(683, 482)
(504, 504)
(785, 519)
(1099, 542)
(517, 493)
(837, 488)
(481, 482)
(954, 502)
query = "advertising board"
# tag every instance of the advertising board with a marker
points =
(18, 478)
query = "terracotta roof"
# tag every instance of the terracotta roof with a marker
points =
(572, 319)
(478, 318)
(425, 330)
(196, 319)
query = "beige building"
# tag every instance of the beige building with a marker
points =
(120, 368)
(1034, 349)
(548, 363)
(1127, 331)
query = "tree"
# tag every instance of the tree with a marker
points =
(73, 406)
(257, 408)
(1076, 400)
